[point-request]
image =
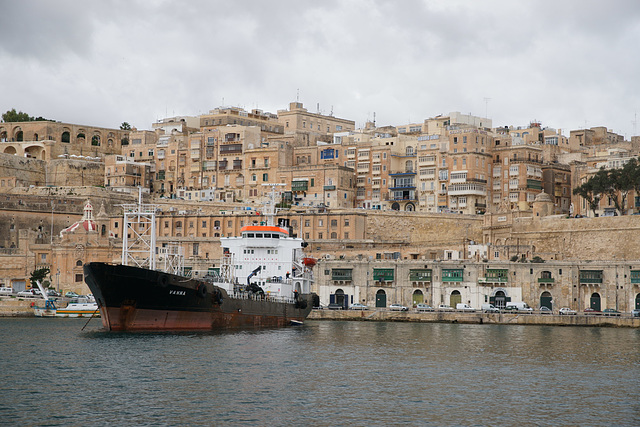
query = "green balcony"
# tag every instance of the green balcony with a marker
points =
(420, 275)
(452, 275)
(344, 274)
(546, 280)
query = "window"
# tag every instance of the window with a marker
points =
(79, 277)
(265, 177)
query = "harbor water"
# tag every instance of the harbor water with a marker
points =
(323, 373)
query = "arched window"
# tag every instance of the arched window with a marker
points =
(66, 136)
(95, 140)
(79, 263)
(409, 166)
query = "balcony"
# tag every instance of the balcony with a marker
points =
(546, 280)
(329, 187)
(467, 189)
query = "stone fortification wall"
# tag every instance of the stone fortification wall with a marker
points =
(27, 171)
(65, 172)
(603, 238)
(60, 172)
(420, 230)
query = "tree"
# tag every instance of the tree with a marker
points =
(591, 190)
(13, 116)
(125, 126)
(632, 170)
(617, 187)
(39, 275)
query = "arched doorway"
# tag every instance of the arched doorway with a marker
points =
(638, 302)
(410, 207)
(455, 299)
(499, 300)
(418, 297)
(546, 300)
(594, 301)
(381, 298)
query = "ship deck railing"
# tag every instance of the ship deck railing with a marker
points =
(257, 297)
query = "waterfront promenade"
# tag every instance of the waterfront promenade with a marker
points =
(385, 315)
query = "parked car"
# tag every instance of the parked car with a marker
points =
(6, 290)
(635, 313)
(29, 293)
(590, 310)
(610, 312)
(53, 293)
(71, 294)
(545, 310)
(444, 307)
(335, 306)
(423, 307)
(490, 308)
(398, 307)
(567, 311)
(358, 306)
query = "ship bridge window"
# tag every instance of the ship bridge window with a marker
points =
(259, 235)
(250, 235)
(267, 235)
(275, 236)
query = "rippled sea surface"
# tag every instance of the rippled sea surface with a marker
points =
(323, 373)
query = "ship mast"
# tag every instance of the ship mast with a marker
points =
(139, 236)
(270, 210)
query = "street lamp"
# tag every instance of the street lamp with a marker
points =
(58, 279)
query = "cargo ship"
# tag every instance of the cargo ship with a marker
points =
(264, 280)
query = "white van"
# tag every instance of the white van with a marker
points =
(6, 290)
(490, 308)
(464, 307)
(518, 306)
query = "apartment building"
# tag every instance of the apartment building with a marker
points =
(302, 127)
(124, 174)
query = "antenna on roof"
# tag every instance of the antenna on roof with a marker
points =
(318, 107)
(331, 114)
(374, 118)
(486, 107)
(298, 95)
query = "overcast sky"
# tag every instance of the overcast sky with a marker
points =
(565, 63)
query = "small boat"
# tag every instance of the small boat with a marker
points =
(79, 309)
(74, 309)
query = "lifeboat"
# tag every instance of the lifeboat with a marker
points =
(309, 262)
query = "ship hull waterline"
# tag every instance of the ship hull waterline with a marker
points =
(137, 299)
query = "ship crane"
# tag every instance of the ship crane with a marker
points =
(252, 287)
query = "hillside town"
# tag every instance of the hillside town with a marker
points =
(448, 210)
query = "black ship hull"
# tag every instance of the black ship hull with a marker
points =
(133, 298)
